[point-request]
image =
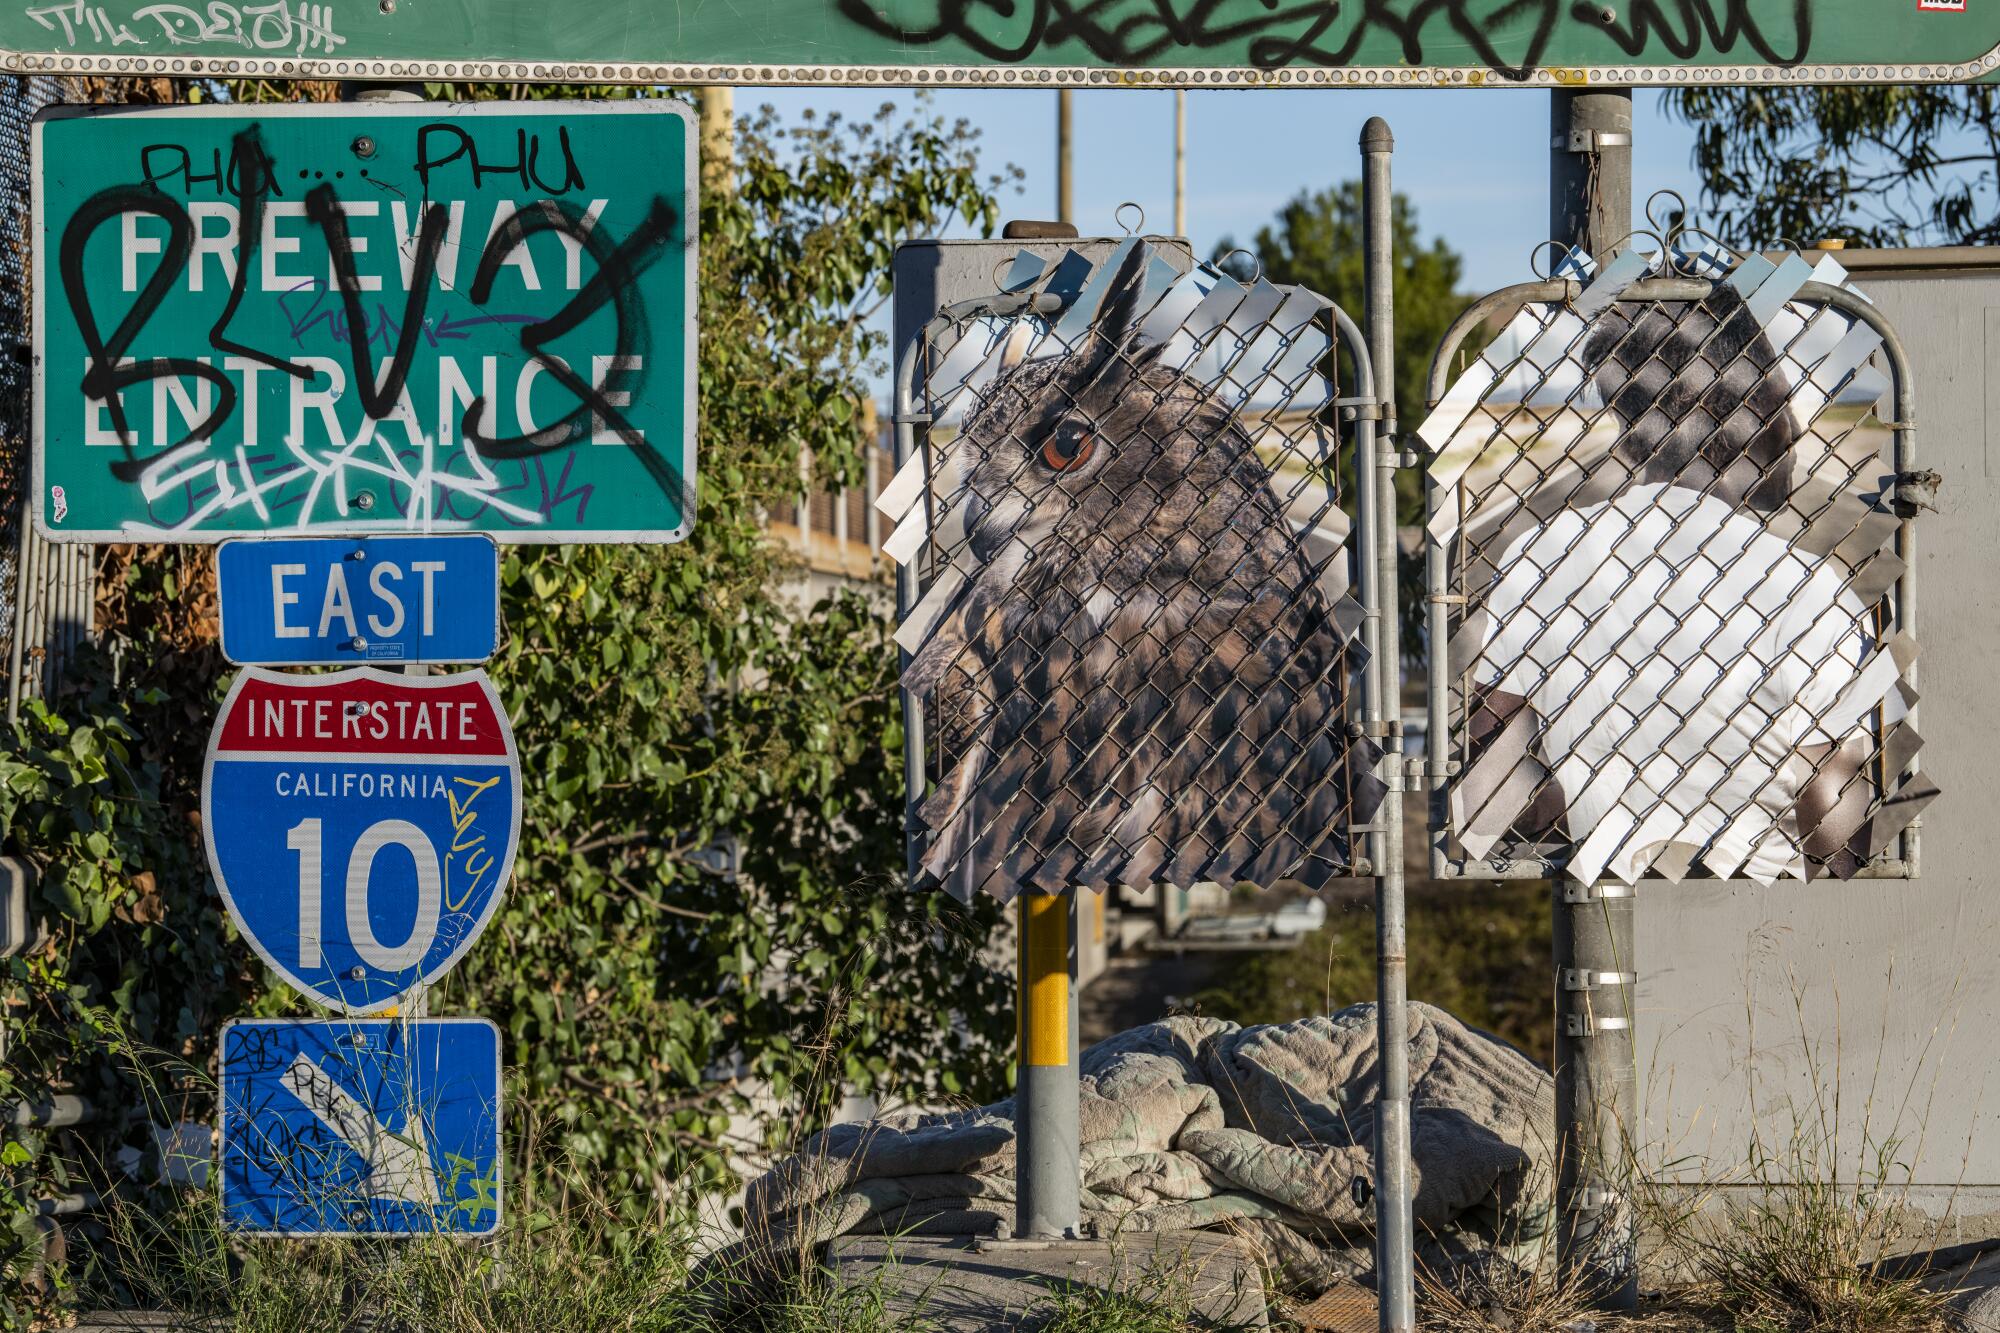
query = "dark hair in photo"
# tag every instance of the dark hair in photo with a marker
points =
(1698, 395)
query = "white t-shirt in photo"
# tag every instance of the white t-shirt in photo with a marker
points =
(1679, 656)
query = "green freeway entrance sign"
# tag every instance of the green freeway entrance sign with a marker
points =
(1226, 42)
(417, 317)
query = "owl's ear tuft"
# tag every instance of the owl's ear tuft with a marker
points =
(1015, 350)
(1118, 320)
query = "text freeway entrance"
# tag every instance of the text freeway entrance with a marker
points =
(420, 318)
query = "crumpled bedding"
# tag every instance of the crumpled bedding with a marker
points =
(1196, 1122)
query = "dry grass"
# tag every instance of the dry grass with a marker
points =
(1790, 1238)
(1799, 1254)
(1501, 1299)
(1793, 1239)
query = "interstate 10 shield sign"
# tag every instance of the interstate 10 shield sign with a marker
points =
(361, 825)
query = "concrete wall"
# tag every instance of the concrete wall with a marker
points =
(1871, 1007)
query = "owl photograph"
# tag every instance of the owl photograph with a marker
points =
(1676, 555)
(1135, 653)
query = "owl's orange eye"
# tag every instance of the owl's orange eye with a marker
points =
(1068, 445)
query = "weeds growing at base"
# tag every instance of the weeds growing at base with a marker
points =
(580, 1270)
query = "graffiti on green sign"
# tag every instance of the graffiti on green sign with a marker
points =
(274, 26)
(1329, 33)
(1231, 42)
(286, 319)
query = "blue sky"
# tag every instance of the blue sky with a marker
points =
(1474, 161)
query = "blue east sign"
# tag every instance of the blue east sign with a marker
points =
(341, 601)
(361, 1126)
(361, 825)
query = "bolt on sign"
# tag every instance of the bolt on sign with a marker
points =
(1228, 43)
(1675, 545)
(1135, 653)
(342, 320)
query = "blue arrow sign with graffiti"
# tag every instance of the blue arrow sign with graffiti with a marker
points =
(361, 1126)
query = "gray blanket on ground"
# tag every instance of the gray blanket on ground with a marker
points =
(1195, 1122)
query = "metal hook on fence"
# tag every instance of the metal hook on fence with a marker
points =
(1118, 216)
(1674, 221)
(1256, 263)
(1672, 229)
(1645, 233)
(1535, 259)
(1685, 261)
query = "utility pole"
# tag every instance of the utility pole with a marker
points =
(1065, 198)
(1180, 162)
(1597, 1099)
(1590, 169)
(1048, 1175)
(717, 111)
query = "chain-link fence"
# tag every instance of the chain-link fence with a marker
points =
(1135, 657)
(45, 590)
(25, 95)
(1671, 601)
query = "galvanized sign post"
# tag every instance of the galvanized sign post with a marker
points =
(365, 319)
(1593, 931)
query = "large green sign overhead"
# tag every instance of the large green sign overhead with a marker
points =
(1003, 42)
(420, 317)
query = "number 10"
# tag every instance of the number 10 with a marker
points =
(304, 838)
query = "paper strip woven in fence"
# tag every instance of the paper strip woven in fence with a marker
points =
(1673, 551)
(1135, 652)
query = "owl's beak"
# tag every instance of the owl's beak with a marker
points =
(984, 541)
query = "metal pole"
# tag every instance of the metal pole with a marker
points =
(1180, 162)
(1048, 1175)
(1597, 1098)
(416, 1001)
(716, 108)
(1590, 169)
(1596, 1091)
(1395, 1281)
(27, 593)
(1065, 198)
(905, 419)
